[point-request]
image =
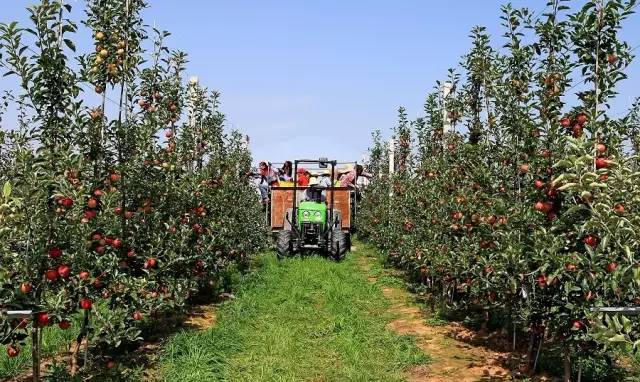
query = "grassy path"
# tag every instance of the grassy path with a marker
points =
(305, 319)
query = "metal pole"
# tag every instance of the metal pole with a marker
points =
(392, 154)
(35, 353)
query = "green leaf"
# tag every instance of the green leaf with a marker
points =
(618, 338)
(70, 44)
(6, 190)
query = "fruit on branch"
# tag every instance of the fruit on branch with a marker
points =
(55, 252)
(602, 162)
(591, 240)
(64, 324)
(64, 271)
(42, 319)
(13, 351)
(51, 275)
(85, 304)
(581, 118)
(26, 287)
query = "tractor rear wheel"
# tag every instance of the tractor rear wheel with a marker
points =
(339, 244)
(283, 244)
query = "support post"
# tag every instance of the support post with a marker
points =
(445, 90)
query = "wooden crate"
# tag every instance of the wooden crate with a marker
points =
(282, 199)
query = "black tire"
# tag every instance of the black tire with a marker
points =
(283, 244)
(339, 244)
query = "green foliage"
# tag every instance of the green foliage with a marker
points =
(530, 213)
(96, 205)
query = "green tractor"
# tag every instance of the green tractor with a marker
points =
(314, 224)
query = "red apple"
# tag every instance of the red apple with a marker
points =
(150, 263)
(64, 325)
(64, 271)
(591, 241)
(42, 319)
(92, 203)
(565, 122)
(51, 274)
(13, 351)
(577, 131)
(619, 208)
(581, 118)
(85, 304)
(84, 275)
(602, 163)
(611, 267)
(137, 316)
(539, 184)
(55, 252)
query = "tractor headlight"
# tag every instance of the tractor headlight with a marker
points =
(305, 214)
(318, 214)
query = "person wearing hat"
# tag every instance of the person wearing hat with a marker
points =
(346, 175)
(349, 174)
(324, 179)
(313, 190)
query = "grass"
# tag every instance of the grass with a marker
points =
(307, 319)
(54, 340)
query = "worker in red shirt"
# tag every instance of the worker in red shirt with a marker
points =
(303, 177)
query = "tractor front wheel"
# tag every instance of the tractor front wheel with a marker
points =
(283, 244)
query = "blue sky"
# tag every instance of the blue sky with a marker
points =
(310, 79)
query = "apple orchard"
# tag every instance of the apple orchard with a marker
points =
(514, 200)
(525, 214)
(121, 188)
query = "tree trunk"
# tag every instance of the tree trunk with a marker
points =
(567, 364)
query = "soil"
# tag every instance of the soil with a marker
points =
(456, 355)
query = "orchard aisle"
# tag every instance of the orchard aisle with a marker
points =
(305, 319)
(316, 320)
